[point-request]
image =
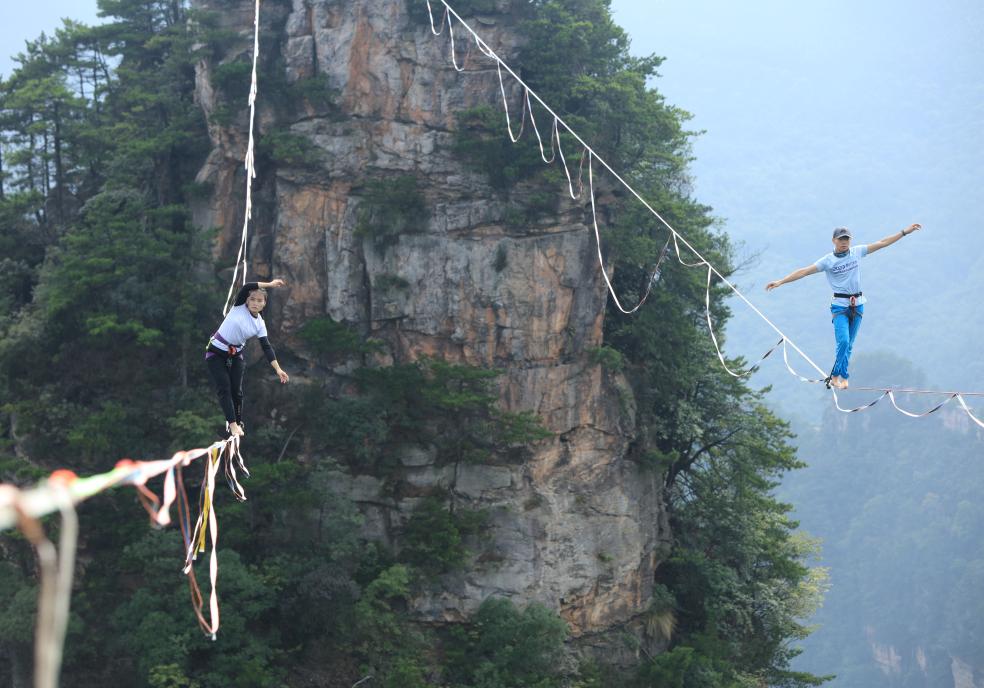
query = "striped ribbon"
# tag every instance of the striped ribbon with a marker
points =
(63, 490)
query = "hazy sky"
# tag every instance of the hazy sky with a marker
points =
(26, 20)
(754, 72)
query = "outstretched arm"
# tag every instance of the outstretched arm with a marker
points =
(284, 377)
(250, 286)
(793, 276)
(889, 240)
(271, 356)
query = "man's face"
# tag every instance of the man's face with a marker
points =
(842, 244)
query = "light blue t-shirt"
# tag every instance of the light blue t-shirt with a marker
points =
(844, 273)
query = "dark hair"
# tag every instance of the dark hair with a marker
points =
(244, 294)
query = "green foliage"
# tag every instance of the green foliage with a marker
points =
(387, 282)
(661, 618)
(387, 644)
(681, 667)
(501, 258)
(352, 427)
(22, 248)
(452, 405)
(327, 337)
(286, 587)
(247, 652)
(481, 142)
(287, 148)
(607, 357)
(233, 79)
(108, 431)
(169, 676)
(578, 60)
(100, 156)
(898, 522)
(519, 428)
(193, 427)
(737, 572)
(314, 91)
(19, 596)
(655, 460)
(374, 609)
(105, 298)
(429, 403)
(504, 647)
(434, 536)
(390, 208)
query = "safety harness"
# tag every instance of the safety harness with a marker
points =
(212, 348)
(852, 309)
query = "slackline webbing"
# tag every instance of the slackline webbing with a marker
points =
(248, 163)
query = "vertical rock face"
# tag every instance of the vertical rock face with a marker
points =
(965, 675)
(577, 526)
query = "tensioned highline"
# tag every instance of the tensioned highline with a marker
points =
(248, 161)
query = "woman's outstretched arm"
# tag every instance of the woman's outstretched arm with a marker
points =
(244, 290)
(271, 356)
(284, 377)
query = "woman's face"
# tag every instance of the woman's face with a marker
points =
(256, 301)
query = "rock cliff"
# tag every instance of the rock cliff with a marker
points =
(576, 526)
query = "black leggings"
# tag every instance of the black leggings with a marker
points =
(227, 375)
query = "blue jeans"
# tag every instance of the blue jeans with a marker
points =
(845, 332)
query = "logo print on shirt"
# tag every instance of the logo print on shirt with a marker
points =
(844, 267)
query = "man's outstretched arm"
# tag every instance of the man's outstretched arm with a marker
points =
(793, 276)
(889, 240)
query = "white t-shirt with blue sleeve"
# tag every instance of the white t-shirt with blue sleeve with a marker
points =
(844, 273)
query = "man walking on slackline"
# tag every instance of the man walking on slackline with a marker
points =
(843, 268)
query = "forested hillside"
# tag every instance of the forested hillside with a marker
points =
(110, 290)
(896, 503)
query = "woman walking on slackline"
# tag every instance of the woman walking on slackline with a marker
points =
(224, 354)
(843, 268)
